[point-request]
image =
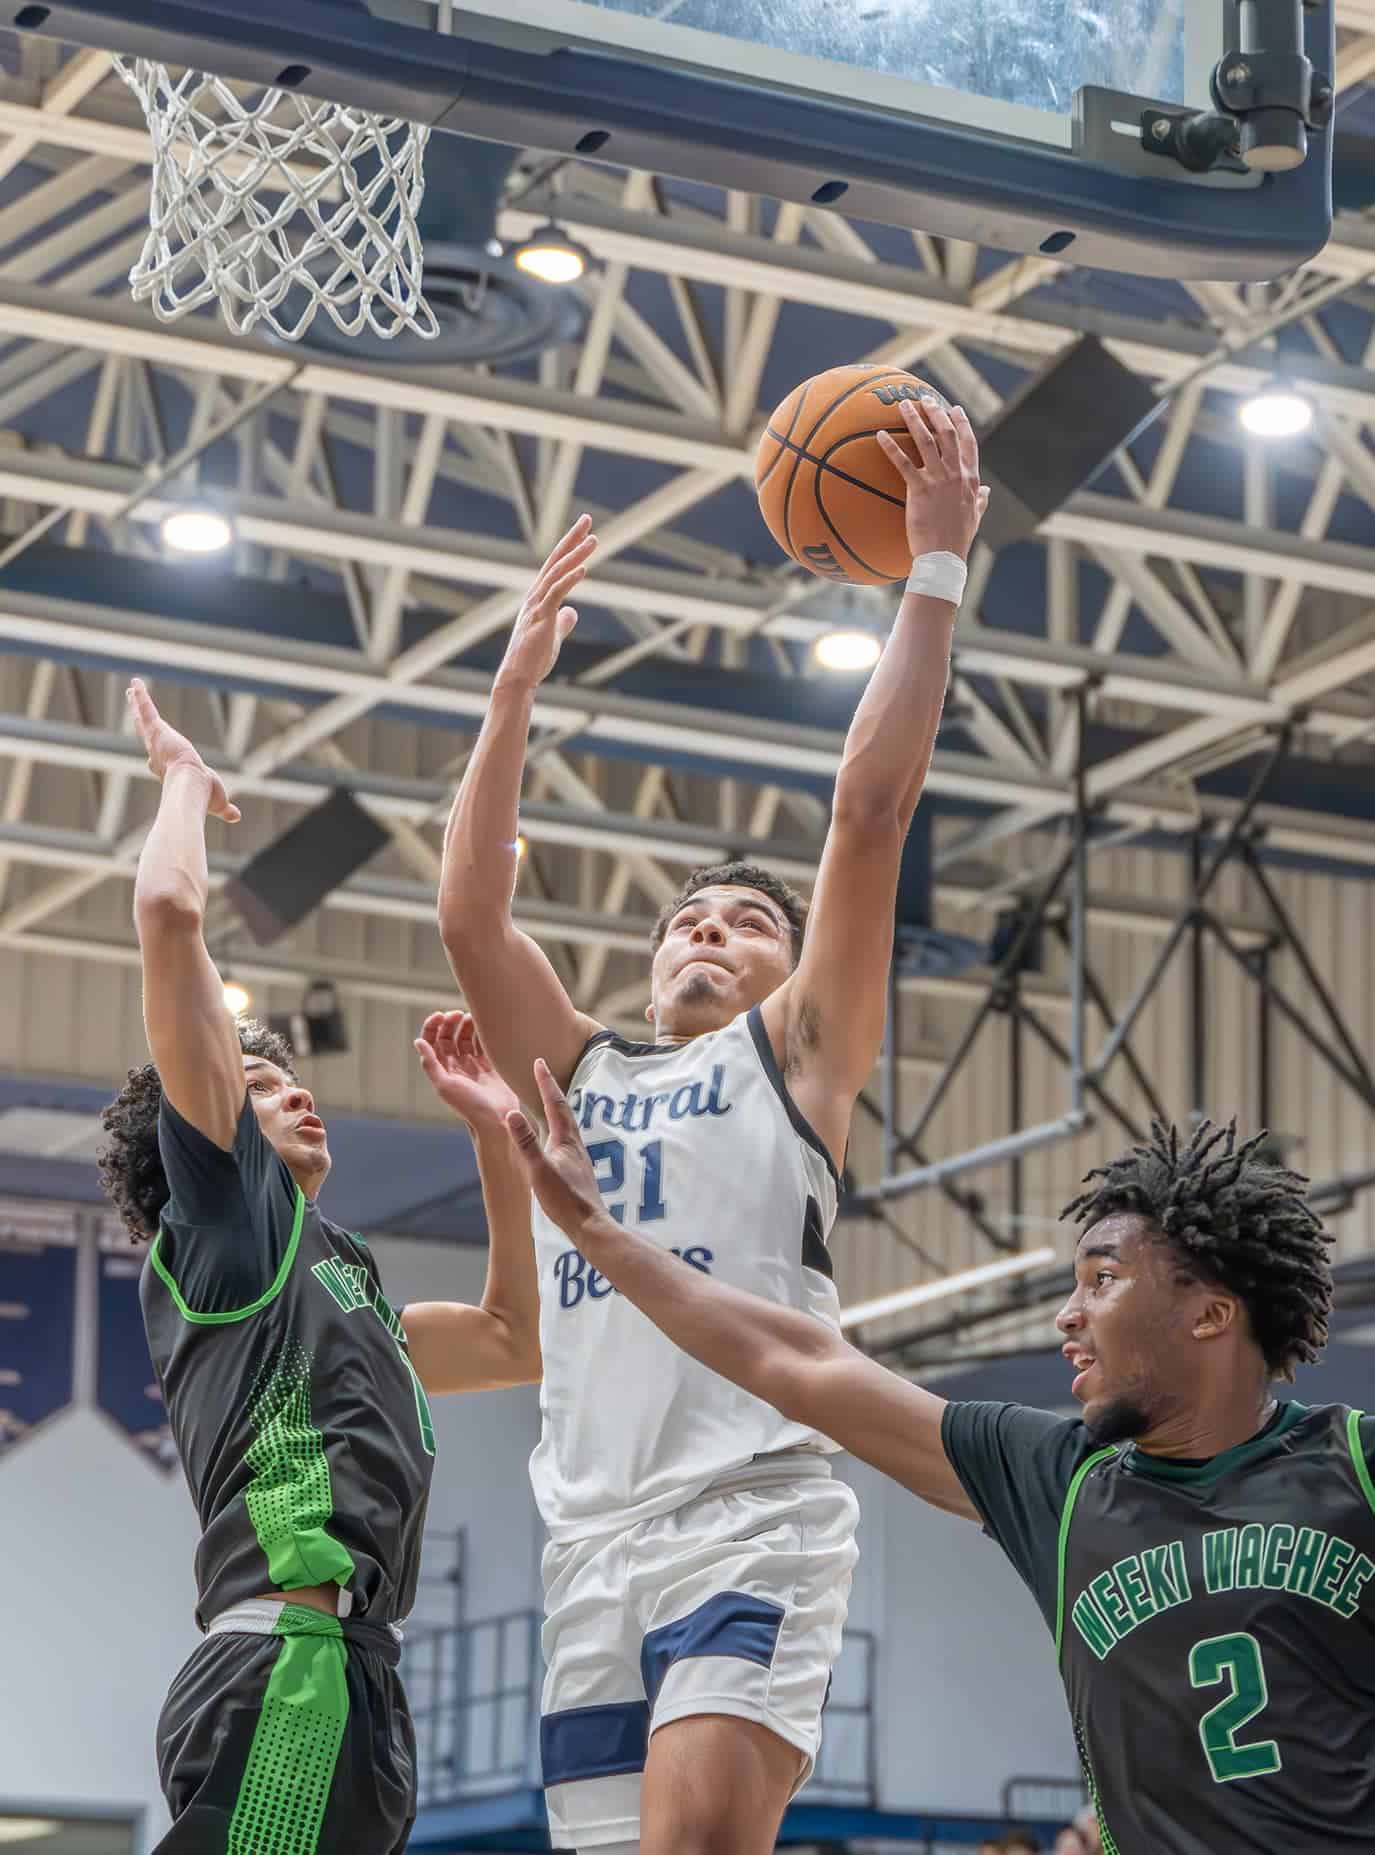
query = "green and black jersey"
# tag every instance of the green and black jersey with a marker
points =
(1214, 1621)
(302, 1428)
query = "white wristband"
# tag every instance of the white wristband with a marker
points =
(938, 576)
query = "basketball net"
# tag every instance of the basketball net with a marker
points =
(279, 208)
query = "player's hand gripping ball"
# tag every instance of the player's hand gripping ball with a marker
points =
(831, 498)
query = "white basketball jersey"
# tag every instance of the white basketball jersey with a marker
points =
(700, 1148)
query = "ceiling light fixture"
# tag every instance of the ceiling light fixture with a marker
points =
(551, 255)
(197, 531)
(237, 998)
(847, 650)
(1277, 411)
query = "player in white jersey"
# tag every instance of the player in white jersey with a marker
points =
(700, 1553)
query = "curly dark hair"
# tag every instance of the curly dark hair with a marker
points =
(739, 876)
(1231, 1218)
(131, 1165)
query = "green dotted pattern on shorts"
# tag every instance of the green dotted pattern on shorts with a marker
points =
(1104, 1833)
(286, 1782)
(289, 1499)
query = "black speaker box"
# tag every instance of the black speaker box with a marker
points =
(1055, 434)
(291, 877)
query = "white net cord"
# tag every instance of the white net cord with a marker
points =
(278, 208)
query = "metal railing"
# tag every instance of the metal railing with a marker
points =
(1028, 1799)
(847, 1763)
(474, 1695)
(475, 1692)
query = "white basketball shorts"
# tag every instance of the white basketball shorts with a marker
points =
(733, 1603)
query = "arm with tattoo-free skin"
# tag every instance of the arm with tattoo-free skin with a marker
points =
(191, 1036)
(789, 1359)
(826, 1021)
(512, 990)
(453, 1346)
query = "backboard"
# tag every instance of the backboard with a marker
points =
(953, 119)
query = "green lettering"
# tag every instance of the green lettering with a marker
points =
(338, 1279)
(1279, 1539)
(1305, 1561)
(388, 1315)
(1091, 1626)
(1219, 1559)
(1250, 1549)
(1158, 1581)
(1181, 1570)
(352, 1287)
(1139, 1603)
(1334, 1563)
(1111, 1603)
(1358, 1575)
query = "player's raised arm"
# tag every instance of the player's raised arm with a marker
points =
(455, 1347)
(513, 991)
(789, 1359)
(826, 1023)
(190, 1033)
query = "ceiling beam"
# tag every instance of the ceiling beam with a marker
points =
(623, 428)
(258, 660)
(907, 299)
(750, 606)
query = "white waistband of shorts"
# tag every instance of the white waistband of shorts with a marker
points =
(259, 1616)
(782, 1465)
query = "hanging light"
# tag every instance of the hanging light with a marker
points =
(521, 847)
(847, 650)
(1277, 411)
(237, 998)
(197, 531)
(551, 255)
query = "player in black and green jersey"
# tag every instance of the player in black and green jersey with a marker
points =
(296, 1396)
(1204, 1555)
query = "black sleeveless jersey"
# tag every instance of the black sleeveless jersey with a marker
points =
(303, 1431)
(1214, 1622)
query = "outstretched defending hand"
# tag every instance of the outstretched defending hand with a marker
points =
(945, 500)
(166, 749)
(544, 621)
(560, 1172)
(460, 1072)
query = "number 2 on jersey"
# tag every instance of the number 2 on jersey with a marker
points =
(1237, 1657)
(609, 1158)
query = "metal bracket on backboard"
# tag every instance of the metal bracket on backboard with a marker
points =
(1108, 130)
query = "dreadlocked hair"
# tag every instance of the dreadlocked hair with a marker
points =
(1234, 1219)
(739, 876)
(130, 1164)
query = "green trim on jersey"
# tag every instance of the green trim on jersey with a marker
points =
(220, 1320)
(1161, 1468)
(1066, 1512)
(1362, 1467)
(1104, 1833)
(290, 1499)
(286, 1781)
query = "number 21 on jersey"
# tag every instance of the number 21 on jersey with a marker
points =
(645, 1165)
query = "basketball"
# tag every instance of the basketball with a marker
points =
(830, 497)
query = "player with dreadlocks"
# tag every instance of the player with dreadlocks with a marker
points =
(1204, 1554)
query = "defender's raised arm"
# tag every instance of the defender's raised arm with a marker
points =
(191, 1036)
(455, 1346)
